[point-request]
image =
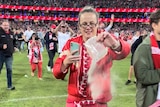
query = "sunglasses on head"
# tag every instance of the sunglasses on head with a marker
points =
(63, 26)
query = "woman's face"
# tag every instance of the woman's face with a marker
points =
(88, 25)
(33, 37)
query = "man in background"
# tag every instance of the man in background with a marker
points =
(27, 35)
(146, 63)
(64, 32)
(7, 46)
(51, 45)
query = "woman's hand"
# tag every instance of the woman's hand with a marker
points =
(71, 58)
(109, 41)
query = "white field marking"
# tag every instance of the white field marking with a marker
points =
(32, 98)
(56, 96)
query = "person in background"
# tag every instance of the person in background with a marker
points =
(19, 38)
(103, 25)
(27, 35)
(23, 41)
(63, 32)
(51, 45)
(35, 55)
(134, 46)
(135, 37)
(146, 63)
(78, 88)
(7, 47)
(41, 36)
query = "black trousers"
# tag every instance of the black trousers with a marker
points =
(51, 55)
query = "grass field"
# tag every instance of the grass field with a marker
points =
(31, 92)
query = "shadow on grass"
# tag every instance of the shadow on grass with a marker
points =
(48, 78)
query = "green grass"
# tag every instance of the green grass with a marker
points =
(31, 92)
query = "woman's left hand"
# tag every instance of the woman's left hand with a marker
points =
(108, 40)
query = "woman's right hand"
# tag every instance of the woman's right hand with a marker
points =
(71, 58)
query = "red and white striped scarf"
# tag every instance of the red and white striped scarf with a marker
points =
(155, 50)
(85, 61)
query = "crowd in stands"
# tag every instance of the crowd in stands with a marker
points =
(44, 25)
(82, 3)
(79, 4)
(110, 3)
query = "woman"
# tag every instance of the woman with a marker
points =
(35, 55)
(79, 93)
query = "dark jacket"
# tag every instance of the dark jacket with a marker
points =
(136, 44)
(49, 40)
(9, 39)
